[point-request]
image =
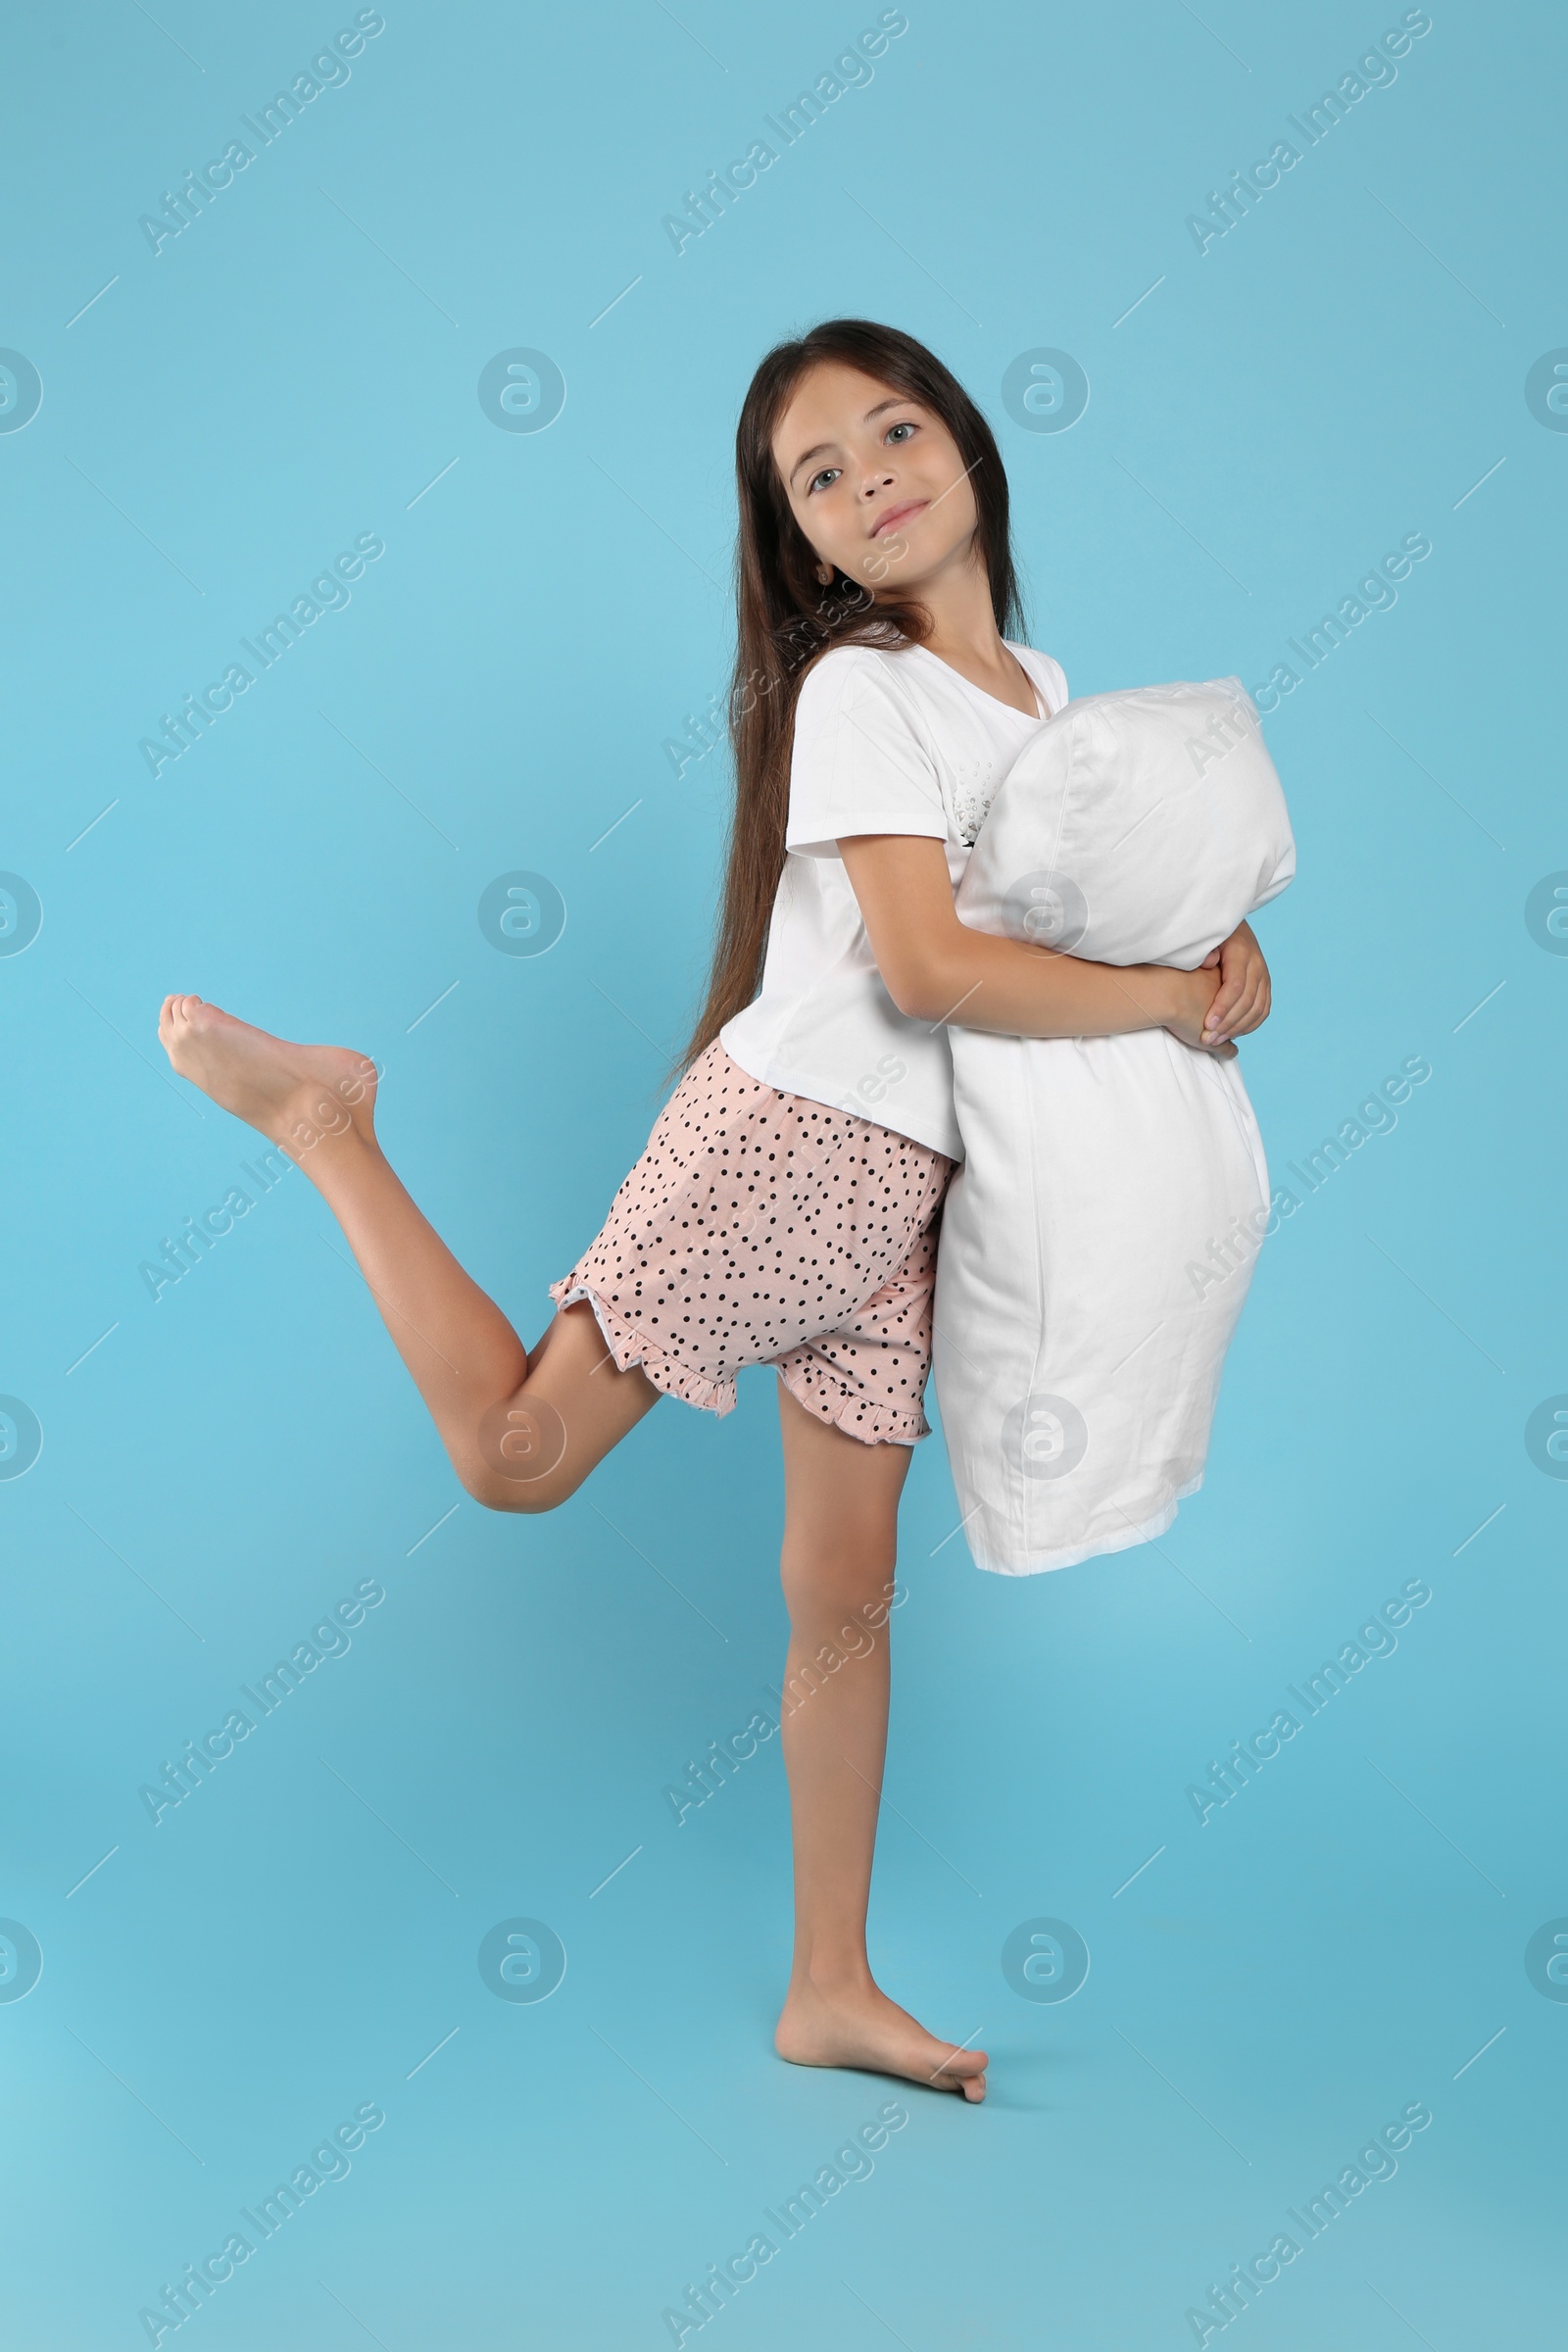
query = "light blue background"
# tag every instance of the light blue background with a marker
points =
(1336, 372)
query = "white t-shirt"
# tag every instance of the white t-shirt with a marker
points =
(885, 742)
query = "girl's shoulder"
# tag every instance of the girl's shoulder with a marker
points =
(834, 670)
(900, 666)
(891, 691)
(856, 682)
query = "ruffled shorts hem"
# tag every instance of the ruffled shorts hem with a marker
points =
(872, 1424)
(630, 1347)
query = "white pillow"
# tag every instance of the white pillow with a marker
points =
(1098, 1242)
(1138, 827)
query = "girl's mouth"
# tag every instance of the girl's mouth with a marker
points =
(896, 515)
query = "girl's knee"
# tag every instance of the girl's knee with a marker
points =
(525, 1456)
(530, 1496)
(830, 1589)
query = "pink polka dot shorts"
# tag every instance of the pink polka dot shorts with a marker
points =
(763, 1228)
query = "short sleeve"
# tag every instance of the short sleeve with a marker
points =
(859, 763)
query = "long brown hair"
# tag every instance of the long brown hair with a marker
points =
(786, 619)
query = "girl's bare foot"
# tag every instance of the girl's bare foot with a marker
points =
(297, 1096)
(853, 2023)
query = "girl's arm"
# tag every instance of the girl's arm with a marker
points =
(935, 968)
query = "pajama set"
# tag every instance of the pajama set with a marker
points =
(786, 1208)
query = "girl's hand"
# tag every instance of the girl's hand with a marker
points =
(1191, 998)
(1241, 1002)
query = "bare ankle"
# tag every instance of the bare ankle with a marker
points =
(832, 1975)
(335, 1158)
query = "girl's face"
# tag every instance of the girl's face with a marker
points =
(874, 480)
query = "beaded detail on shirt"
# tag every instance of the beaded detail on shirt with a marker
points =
(974, 784)
(972, 804)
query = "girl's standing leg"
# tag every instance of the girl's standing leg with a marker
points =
(840, 1507)
(523, 1432)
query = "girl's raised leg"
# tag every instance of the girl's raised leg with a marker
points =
(840, 1507)
(523, 1432)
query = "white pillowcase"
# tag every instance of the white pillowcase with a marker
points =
(1098, 1242)
(1138, 827)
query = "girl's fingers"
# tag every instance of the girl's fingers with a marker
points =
(1253, 1013)
(1223, 1006)
(1222, 1000)
(1241, 1002)
(1242, 1014)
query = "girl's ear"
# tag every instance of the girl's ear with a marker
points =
(824, 574)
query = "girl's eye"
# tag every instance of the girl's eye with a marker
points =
(899, 430)
(827, 474)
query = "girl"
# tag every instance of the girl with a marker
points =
(786, 1208)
